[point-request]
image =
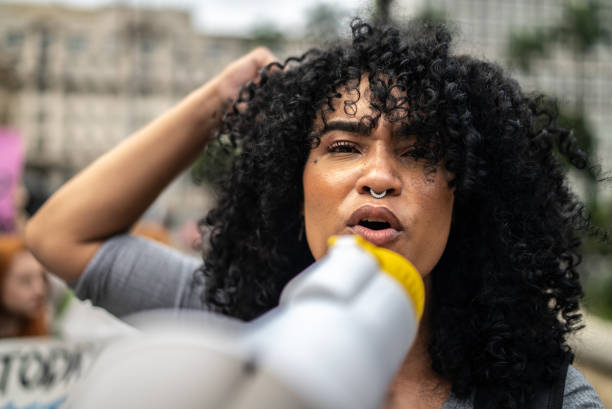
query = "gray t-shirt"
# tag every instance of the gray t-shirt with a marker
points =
(130, 274)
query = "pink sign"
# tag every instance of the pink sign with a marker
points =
(11, 166)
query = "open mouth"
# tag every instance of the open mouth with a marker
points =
(374, 224)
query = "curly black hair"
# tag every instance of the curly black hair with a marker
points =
(505, 293)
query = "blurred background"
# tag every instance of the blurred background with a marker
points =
(78, 76)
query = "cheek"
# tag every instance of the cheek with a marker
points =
(314, 211)
(13, 296)
(434, 229)
(440, 232)
(324, 192)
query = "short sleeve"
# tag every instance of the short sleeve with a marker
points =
(578, 393)
(130, 274)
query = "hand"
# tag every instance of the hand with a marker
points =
(238, 73)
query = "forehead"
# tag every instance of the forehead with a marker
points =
(24, 263)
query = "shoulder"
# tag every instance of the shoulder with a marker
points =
(139, 253)
(130, 274)
(578, 392)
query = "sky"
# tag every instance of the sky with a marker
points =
(236, 16)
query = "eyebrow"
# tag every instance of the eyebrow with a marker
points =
(358, 128)
(346, 126)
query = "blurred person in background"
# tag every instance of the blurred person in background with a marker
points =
(437, 156)
(36, 303)
(153, 230)
(23, 291)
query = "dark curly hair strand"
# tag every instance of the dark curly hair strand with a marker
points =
(505, 293)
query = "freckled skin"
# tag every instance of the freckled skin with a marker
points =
(339, 184)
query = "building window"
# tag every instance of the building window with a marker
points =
(41, 142)
(111, 45)
(41, 117)
(147, 45)
(42, 68)
(75, 43)
(13, 39)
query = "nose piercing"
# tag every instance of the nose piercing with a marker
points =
(378, 195)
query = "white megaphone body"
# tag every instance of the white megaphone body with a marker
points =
(336, 341)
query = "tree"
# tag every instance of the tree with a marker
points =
(432, 15)
(381, 11)
(322, 22)
(581, 29)
(268, 34)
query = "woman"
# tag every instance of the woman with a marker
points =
(23, 290)
(436, 156)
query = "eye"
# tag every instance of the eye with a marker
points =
(417, 152)
(342, 147)
(413, 152)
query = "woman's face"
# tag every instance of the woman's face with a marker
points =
(412, 219)
(25, 288)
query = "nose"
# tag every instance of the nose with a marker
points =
(379, 175)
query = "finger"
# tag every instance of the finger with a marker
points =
(263, 56)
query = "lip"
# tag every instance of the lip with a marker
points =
(377, 237)
(375, 212)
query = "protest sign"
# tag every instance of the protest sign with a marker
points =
(11, 165)
(40, 373)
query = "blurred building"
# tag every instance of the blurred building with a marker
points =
(77, 81)
(484, 29)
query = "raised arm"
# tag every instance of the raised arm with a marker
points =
(112, 193)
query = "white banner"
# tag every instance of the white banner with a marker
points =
(39, 373)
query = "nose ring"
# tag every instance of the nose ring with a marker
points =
(378, 195)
